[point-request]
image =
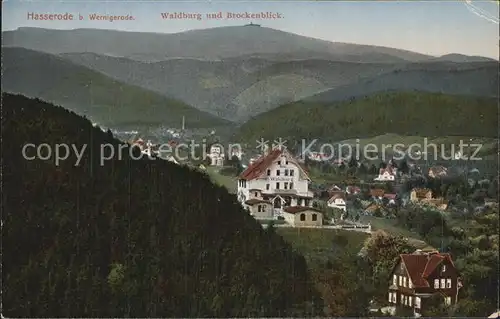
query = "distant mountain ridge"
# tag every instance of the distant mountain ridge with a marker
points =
(481, 80)
(213, 44)
(236, 73)
(93, 94)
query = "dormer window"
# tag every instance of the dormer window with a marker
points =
(443, 269)
(279, 162)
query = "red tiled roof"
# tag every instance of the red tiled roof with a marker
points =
(390, 196)
(299, 209)
(258, 167)
(335, 195)
(353, 189)
(420, 266)
(254, 201)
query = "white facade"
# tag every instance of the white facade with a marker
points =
(283, 182)
(386, 176)
(216, 155)
(337, 203)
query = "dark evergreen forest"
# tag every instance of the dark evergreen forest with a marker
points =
(134, 238)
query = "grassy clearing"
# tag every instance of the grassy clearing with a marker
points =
(230, 182)
(390, 226)
(317, 245)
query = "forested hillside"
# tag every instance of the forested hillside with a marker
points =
(130, 238)
(404, 113)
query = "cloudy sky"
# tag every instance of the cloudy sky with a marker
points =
(431, 27)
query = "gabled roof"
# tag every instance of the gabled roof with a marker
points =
(389, 169)
(421, 192)
(421, 265)
(260, 165)
(336, 195)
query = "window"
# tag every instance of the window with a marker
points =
(404, 281)
(400, 281)
(286, 172)
(443, 269)
(417, 302)
(263, 208)
(401, 301)
(302, 217)
(410, 301)
(286, 185)
(291, 185)
(448, 283)
(279, 162)
(436, 283)
(267, 186)
(277, 172)
(447, 301)
(410, 284)
(259, 208)
(394, 297)
(394, 280)
(443, 283)
(291, 172)
(278, 185)
(268, 172)
(256, 194)
(286, 162)
(314, 217)
(390, 297)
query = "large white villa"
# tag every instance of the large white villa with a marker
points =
(272, 183)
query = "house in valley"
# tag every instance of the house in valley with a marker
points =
(278, 178)
(338, 200)
(387, 174)
(390, 199)
(216, 155)
(258, 207)
(353, 190)
(424, 196)
(377, 194)
(421, 275)
(298, 216)
(419, 194)
(438, 172)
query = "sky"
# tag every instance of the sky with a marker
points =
(429, 27)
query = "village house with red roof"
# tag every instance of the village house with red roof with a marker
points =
(417, 277)
(273, 182)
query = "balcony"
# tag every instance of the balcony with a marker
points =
(286, 192)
